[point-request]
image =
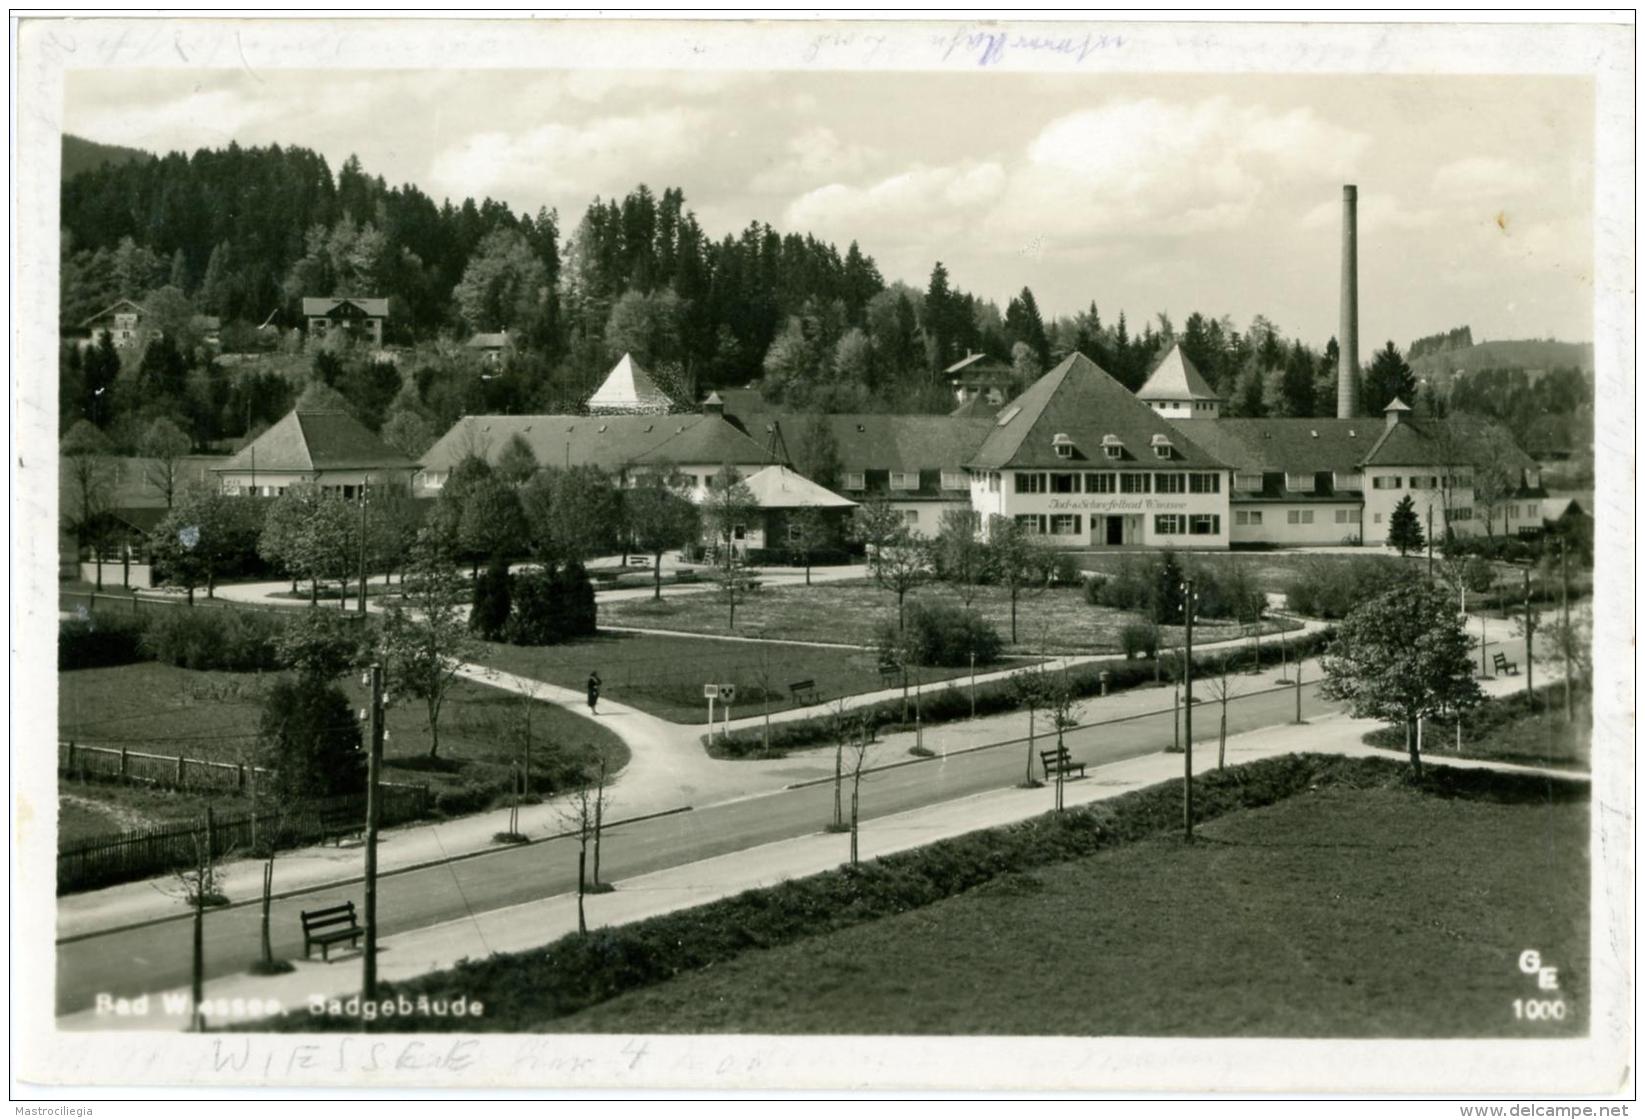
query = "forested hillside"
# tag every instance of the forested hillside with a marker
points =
(80, 155)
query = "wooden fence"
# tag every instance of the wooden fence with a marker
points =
(143, 852)
(164, 770)
(131, 602)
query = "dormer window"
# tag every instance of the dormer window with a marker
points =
(1062, 445)
(1162, 445)
(1111, 446)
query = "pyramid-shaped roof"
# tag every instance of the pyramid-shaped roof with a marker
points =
(1175, 379)
(777, 487)
(1080, 401)
(629, 388)
(317, 441)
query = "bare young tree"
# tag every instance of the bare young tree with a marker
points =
(1221, 689)
(1060, 703)
(196, 886)
(585, 812)
(859, 762)
(164, 444)
(844, 727)
(1032, 689)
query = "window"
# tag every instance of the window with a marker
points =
(1065, 524)
(1256, 517)
(1299, 517)
(1345, 517)
(911, 516)
(1031, 522)
(1205, 483)
(1419, 482)
(1462, 513)
(1112, 447)
(856, 480)
(1134, 483)
(1168, 524)
(1248, 480)
(1170, 484)
(1099, 483)
(993, 482)
(1204, 524)
(1064, 484)
(1376, 519)
(954, 480)
(1030, 483)
(905, 480)
(1301, 482)
(1324, 482)
(739, 532)
(1388, 482)
(1162, 446)
(1062, 445)
(1247, 517)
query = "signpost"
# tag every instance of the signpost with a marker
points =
(711, 691)
(728, 693)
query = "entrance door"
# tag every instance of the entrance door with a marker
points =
(1115, 530)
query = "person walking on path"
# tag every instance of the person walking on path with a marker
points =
(593, 692)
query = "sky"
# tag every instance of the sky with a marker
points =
(1143, 193)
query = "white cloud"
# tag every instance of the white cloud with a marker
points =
(594, 86)
(816, 154)
(603, 155)
(195, 119)
(923, 203)
(1482, 178)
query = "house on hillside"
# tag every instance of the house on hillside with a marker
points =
(490, 346)
(328, 449)
(980, 375)
(362, 317)
(123, 322)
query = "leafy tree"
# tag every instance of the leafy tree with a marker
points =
(809, 529)
(1402, 655)
(164, 444)
(202, 535)
(1031, 689)
(492, 525)
(1405, 527)
(1018, 561)
(492, 601)
(313, 740)
(163, 371)
(898, 562)
(317, 396)
(1026, 366)
(1389, 377)
(425, 639)
(961, 556)
(408, 433)
(319, 645)
(89, 470)
(516, 462)
(504, 286)
(645, 325)
(853, 357)
(727, 507)
(659, 512)
(571, 513)
(814, 451)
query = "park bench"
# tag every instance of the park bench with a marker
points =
(1059, 761)
(1503, 665)
(890, 674)
(803, 691)
(338, 823)
(328, 926)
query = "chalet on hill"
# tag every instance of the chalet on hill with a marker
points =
(363, 317)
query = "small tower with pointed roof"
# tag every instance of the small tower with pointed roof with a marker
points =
(1176, 390)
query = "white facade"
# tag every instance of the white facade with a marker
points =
(346, 483)
(1184, 409)
(1296, 523)
(1110, 508)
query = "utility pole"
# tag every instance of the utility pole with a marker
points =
(374, 807)
(1565, 623)
(1188, 605)
(363, 546)
(1429, 540)
(1530, 648)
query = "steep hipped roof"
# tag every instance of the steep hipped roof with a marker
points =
(317, 441)
(777, 487)
(1300, 446)
(1426, 443)
(1079, 400)
(1175, 379)
(608, 442)
(629, 388)
(317, 307)
(873, 441)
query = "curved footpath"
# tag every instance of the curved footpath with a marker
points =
(668, 770)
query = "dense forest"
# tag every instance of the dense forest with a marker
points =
(243, 234)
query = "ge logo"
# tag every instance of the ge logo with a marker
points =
(1530, 963)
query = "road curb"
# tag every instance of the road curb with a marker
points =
(350, 881)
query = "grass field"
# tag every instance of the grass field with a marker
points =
(850, 611)
(664, 674)
(161, 709)
(1364, 913)
(1508, 730)
(1272, 571)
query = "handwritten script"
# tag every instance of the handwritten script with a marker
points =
(989, 48)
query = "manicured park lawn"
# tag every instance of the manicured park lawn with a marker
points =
(850, 611)
(1508, 730)
(160, 709)
(1364, 913)
(664, 674)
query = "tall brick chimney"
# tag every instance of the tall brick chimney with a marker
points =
(1348, 335)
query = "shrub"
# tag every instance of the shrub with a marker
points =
(1128, 589)
(201, 638)
(1093, 590)
(492, 601)
(469, 797)
(313, 739)
(552, 605)
(1065, 571)
(1228, 592)
(1139, 639)
(321, 644)
(943, 634)
(1330, 589)
(98, 639)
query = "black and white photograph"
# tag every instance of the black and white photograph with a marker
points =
(855, 555)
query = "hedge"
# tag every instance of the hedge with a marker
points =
(522, 991)
(100, 638)
(233, 640)
(942, 704)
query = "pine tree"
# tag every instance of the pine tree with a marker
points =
(1405, 527)
(1388, 378)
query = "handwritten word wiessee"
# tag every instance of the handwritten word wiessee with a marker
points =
(990, 46)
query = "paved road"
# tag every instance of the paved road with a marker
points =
(156, 957)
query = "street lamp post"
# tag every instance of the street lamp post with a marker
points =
(1188, 606)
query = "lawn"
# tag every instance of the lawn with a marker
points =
(1358, 913)
(851, 611)
(664, 675)
(160, 709)
(1273, 571)
(1508, 730)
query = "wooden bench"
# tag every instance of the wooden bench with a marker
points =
(1503, 665)
(1059, 761)
(803, 690)
(890, 674)
(327, 927)
(338, 823)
